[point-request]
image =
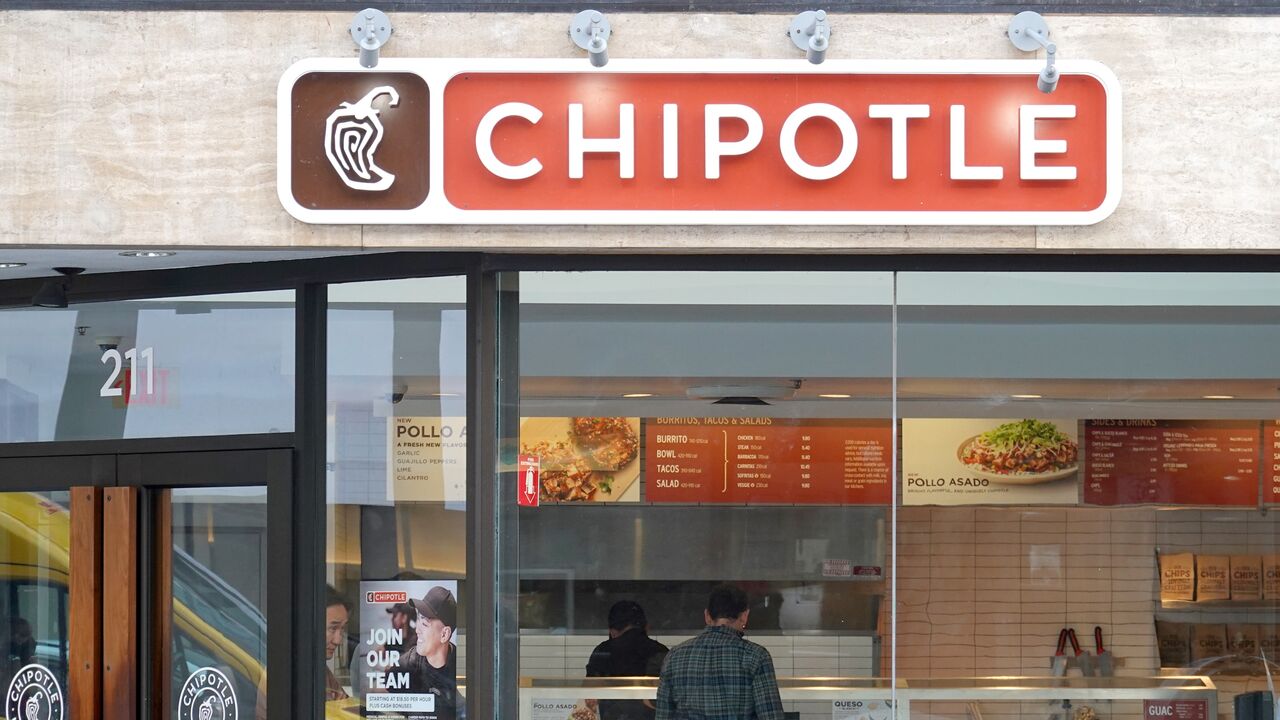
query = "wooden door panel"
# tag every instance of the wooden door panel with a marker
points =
(85, 588)
(120, 604)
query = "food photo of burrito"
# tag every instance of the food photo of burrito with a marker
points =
(1023, 452)
(585, 459)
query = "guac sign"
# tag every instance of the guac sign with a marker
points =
(712, 142)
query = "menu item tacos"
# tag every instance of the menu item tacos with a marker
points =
(1021, 451)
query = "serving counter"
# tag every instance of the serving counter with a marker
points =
(1161, 698)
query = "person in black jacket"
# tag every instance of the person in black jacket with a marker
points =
(629, 652)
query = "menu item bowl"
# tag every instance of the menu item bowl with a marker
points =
(1017, 478)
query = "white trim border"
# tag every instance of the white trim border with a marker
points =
(438, 211)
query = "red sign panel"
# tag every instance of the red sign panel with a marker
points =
(813, 142)
(768, 460)
(529, 483)
(1176, 462)
(1175, 709)
(386, 597)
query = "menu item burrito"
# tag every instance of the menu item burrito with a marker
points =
(1213, 577)
(1178, 577)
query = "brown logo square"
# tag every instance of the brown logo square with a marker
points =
(360, 141)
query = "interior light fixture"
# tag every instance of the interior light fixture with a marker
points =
(1028, 31)
(370, 30)
(148, 253)
(811, 32)
(590, 31)
(1026, 396)
(445, 394)
(10, 265)
(53, 293)
(740, 394)
(834, 396)
(637, 395)
(1218, 397)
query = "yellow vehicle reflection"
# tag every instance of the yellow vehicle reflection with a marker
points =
(214, 625)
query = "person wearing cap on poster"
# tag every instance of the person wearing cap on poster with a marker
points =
(403, 618)
(432, 663)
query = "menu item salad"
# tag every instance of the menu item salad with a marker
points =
(1022, 448)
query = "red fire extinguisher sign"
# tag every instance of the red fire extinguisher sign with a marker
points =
(529, 483)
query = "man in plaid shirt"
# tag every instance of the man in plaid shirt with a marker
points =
(719, 675)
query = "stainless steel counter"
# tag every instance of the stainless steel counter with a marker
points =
(904, 691)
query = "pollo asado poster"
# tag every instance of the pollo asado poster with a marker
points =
(990, 462)
(406, 665)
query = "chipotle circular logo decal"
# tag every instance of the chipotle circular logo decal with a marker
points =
(34, 694)
(208, 695)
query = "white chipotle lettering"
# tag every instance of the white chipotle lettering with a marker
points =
(716, 147)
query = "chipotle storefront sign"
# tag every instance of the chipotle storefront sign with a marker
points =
(698, 142)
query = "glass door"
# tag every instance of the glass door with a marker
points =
(216, 602)
(206, 563)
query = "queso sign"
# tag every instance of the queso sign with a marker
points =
(731, 142)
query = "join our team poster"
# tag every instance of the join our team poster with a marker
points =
(406, 665)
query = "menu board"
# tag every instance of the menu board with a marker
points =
(1175, 462)
(982, 461)
(1271, 456)
(428, 459)
(768, 460)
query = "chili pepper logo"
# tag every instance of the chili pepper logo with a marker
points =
(351, 137)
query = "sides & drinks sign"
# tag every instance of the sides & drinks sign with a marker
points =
(697, 142)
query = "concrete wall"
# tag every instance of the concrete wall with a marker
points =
(158, 128)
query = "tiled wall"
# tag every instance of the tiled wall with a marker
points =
(984, 591)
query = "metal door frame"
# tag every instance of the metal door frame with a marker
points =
(125, 543)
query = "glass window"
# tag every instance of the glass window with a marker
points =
(681, 430)
(34, 577)
(219, 602)
(208, 365)
(1087, 451)
(396, 486)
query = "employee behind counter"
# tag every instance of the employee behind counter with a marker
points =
(629, 652)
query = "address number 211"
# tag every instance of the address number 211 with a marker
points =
(111, 389)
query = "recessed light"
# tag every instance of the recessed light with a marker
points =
(637, 395)
(834, 396)
(1026, 396)
(446, 394)
(1218, 397)
(148, 253)
(8, 265)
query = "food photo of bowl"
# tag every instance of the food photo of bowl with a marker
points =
(1023, 452)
